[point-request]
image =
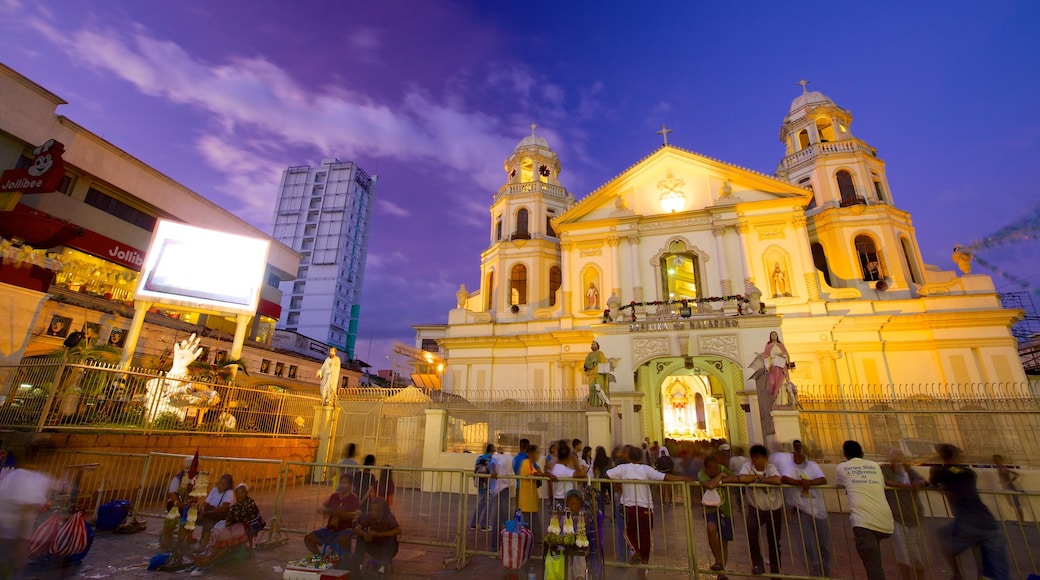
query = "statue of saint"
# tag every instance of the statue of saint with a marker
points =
(461, 296)
(329, 375)
(779, 278)
(754, 296)
(597, 368)
(777, 360)
(592, 297)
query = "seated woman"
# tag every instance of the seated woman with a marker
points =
(216, 506)
(232, 530)
(377, 533)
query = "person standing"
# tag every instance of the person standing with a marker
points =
(349, 461)
(869, 512)
(973, 524)
(637, 501)
(483, 469)
(498, 495)
(518, 461)
(566, 466)
(718, 518)
(23, 494)
(806, 476)
(764, 507)
(527, 496)
(904, 500)
(619, 455)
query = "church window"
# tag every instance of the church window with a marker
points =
(803, 139)
(498, 229)
(819, 258)
(883, 425)
(847, 189)
(825, 128)
(518, 285)
(911, 261)
(878, 189)
(526, 171)
(549, 231)
(680, 273)
(555, 280)
(522, 232)
(489, 292)
(869, 258)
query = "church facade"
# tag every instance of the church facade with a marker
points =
(682, 266)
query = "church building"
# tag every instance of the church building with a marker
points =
(682, 266)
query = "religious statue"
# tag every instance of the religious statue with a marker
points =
(461, 296)
(592, 297)
(614, 307)
(754, 296)
(781, 390)
(779, 279)
(962, 258)
(329, 375)
(176, 391)
(725, 191)
(597, 368)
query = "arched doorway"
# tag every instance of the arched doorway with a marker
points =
(692, 398)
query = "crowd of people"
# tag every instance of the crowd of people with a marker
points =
(775, 492)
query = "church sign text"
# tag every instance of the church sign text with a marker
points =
(706, 324)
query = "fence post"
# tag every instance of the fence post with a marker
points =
(691, 544)
(462, 535)
(59, 380)
(144, 480)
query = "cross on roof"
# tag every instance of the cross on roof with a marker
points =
(804, 83)
(664, 133)
(533, 127)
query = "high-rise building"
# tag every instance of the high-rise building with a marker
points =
(322, 212)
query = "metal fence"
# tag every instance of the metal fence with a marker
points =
(983, 419)
(54, 395)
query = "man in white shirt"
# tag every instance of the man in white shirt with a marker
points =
(23, 494)
(812, 511)
(765, 507)
(868, 508)
(637, 500)
(498, 498)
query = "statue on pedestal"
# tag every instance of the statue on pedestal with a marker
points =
(597, 368)
(329, 375)
(461, 296)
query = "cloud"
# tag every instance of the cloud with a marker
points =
(392, 208)
(250, 178)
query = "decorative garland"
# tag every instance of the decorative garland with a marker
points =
(18, 255)
(685, 302)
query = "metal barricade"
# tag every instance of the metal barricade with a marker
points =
(84, 480)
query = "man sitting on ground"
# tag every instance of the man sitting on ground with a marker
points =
(342, 508)
(377, 533)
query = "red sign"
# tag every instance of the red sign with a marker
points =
(43, 176)
(42, 230)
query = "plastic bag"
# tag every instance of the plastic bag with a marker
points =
(554, 566)
(43, 537)
(72, 537)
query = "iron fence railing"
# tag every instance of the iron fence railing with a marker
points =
(446, 510)
(57, 395)
(983, 419)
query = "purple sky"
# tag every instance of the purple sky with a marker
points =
(432, 97)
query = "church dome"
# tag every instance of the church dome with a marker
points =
(809, 98)
(532, 140)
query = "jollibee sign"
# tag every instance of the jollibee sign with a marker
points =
(43, 176)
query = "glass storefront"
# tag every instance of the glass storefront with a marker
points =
(91, 275)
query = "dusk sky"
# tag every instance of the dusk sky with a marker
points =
(433, 96)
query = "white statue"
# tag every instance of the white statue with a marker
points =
(176, 392)
(754, 296)
(592, 297)
(461, 296)
(962, 258)
(329, 375)
(614, 306)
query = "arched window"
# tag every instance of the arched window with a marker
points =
(526, 170)
(869, 258)
(518, 285)
(879, 189)
(521, 232)
(819, 258)
(803, 139)
(825, 128)
(555, 280)
(498, 229)
(549, 231)
(680, 274)
(847, 189)
(489, 292)
(911, 261)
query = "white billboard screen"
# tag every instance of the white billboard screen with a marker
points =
(205, 269)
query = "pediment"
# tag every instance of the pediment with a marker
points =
(697, 182)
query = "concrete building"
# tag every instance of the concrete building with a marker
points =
(664, 266)
(323, 213)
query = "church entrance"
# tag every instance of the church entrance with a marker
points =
(692, 398)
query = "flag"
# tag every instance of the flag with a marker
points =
(193, 470)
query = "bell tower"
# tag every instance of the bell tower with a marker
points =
(859, 238)
(521, 270)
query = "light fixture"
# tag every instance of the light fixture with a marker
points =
(672, 201)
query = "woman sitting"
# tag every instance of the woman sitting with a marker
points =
(232, 530)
